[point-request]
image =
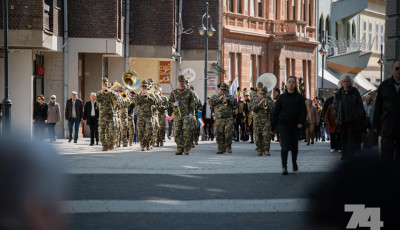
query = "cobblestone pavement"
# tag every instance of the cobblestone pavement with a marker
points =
(81, 158)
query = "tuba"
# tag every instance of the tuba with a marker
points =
(124, 96)
(131, 80)
(268, 80)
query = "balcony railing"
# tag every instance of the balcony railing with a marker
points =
(46, 17)
(343, 46)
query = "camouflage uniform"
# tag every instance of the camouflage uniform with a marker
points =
(263, 130)
(131, 123)
(253, 96)
(106, 118)
(117, 122)
(161, 119)
(144, 123)
(156, 121)
(124, 121)
(194, 125)
(181, 119)
(223, 120)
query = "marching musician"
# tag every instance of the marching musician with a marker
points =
(224, 105)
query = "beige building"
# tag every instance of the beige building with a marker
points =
(372, 30)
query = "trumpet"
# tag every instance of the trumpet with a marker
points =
(146, 97)
(106, 90)
(265, 105)
(224, 101)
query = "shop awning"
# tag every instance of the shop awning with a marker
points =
(363, 84)
(330, 79)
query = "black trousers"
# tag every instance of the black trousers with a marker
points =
(239, 123)
(390, 148)
(290, 136)
(336, 141)
(351, 137)
(94, 130)
(39, 128)
(208, 122)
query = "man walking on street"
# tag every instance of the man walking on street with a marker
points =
(224, 105)
(91, 115)
(386, 118)
(289, 115)
(183, 102)
(73, 114)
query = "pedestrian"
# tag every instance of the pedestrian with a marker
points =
(239, 120)
(53, 117)
(368, 135)
(248, 118)
(224, 105)
(312, 121)
(349, 114)
(289, 116)
(40, 113)
(170, 120)
(333, 129)
(91, 115)
(264, 107)
(145, 103)
(386, 116)
(183, 102)
(208, 113)
(73, 114)
(131, 119)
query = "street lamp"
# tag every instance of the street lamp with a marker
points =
(206, 31)
(322, 52)
(6, 104)
(381, 62)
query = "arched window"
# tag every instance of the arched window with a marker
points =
(328, 26)
(353, 30)
(321, 27)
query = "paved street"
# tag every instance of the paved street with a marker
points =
(129, 189)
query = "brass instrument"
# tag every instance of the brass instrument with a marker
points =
(124, 96)
(265, 105)
(115, 85)
(225, 102)
(131, 80)
(106, 90)
(146, 97)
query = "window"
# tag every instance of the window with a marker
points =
(230, 67)
(303, 9)
(370, 36)
(276, 9)
(327, 26)
(252, 61)
(293, 10)
(230, 5)
(382, 38)
(258, 65)
(237, 66)
(287, 9)
(252, 8)
(376, 36)
(287, 68)
(293, 70)
(260, 8)
(239, 6)
(364, 38)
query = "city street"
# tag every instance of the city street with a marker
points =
(129, 189)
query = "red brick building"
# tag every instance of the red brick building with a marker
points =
(275, 36)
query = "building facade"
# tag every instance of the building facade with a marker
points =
(274, 36)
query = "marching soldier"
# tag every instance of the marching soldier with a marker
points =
(106, 99)
(263, 106)
(161, 117)
(194, 124)
(156, 123)
(145, 104)
(248, 118)
(223, 105)
(254, 95)
(131, 118)
(126, 102)
(183, 103)
(117, 120)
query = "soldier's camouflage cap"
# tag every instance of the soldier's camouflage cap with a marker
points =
(259, 85)
(263, 90)
(105, 80)
(144, 83)
(181, 78)
(224, 86)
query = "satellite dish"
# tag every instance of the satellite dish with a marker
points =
(189, 74)
(268, 80)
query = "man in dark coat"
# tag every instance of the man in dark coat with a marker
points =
(386, 118)
(73, 114)
(207, 114)
(91, 114)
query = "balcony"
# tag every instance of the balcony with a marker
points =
(344, 46)
(293, 32)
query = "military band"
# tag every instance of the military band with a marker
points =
(251, 117)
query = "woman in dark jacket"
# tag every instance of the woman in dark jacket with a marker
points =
(289, 115)
(349, 113)
(40, 117)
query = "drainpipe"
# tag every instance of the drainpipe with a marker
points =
(178, 50)
(127, 11)
(220, 36)
(66, 77)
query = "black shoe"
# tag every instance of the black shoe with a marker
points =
(97, 142)
(70, 139)
(295, 167)
(90, 144)
(75, 141)
(284, 171)
(251, 142)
